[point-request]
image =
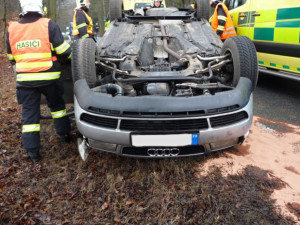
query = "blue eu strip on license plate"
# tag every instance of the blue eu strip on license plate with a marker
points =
(195, 139)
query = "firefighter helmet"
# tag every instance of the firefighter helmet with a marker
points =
(31, 6)
(81, 3)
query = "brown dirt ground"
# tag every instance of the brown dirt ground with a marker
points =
(276, 152)
(255, 183)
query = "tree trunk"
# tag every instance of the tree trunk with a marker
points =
(52, 9)
(3, 26)
(102, 15)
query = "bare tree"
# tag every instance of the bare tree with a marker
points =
(51, 7)
(3, 25)
(9, 12)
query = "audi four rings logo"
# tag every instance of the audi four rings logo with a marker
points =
(163, 151)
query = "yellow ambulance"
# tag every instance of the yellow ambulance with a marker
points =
(274, 27)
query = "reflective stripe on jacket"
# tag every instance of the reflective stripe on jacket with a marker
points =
(77, 26)
(229, 30)
(30, 49)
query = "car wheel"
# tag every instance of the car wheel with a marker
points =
(202, 9)
(83, 61)
(243, 54)
(115, 9)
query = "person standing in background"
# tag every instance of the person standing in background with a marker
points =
(96, 30)
(107, 24)
(82, 22)
(157, 4)
(221, 20)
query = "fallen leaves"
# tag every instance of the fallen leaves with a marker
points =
(294, 208)
(111, 190)
(119, 178)
(27, 206)
(104, 206)
(117, 219)
(129, 202)
(66, 222)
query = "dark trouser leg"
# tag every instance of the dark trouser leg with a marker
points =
(30, 100)
(57, 106)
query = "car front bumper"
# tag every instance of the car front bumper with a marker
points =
(113, 123)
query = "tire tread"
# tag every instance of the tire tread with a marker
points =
(203, 9)
(115, 9)
(246, 52)
(83, 61)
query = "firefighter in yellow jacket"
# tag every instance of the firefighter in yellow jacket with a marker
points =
(82, 22)
(221, 20)
(36, 46)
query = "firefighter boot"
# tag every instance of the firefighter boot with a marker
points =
(65, 138)
(34, 156)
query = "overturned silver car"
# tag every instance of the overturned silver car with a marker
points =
(162, 84)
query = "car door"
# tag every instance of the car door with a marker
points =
(240, 13)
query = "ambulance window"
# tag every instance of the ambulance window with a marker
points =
(231, 4)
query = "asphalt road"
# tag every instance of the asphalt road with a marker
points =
(278, 100)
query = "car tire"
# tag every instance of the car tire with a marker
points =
(202, 9)
(243, 53)
(115, 9)
(83, 61)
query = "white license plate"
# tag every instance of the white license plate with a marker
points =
(164, 140)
